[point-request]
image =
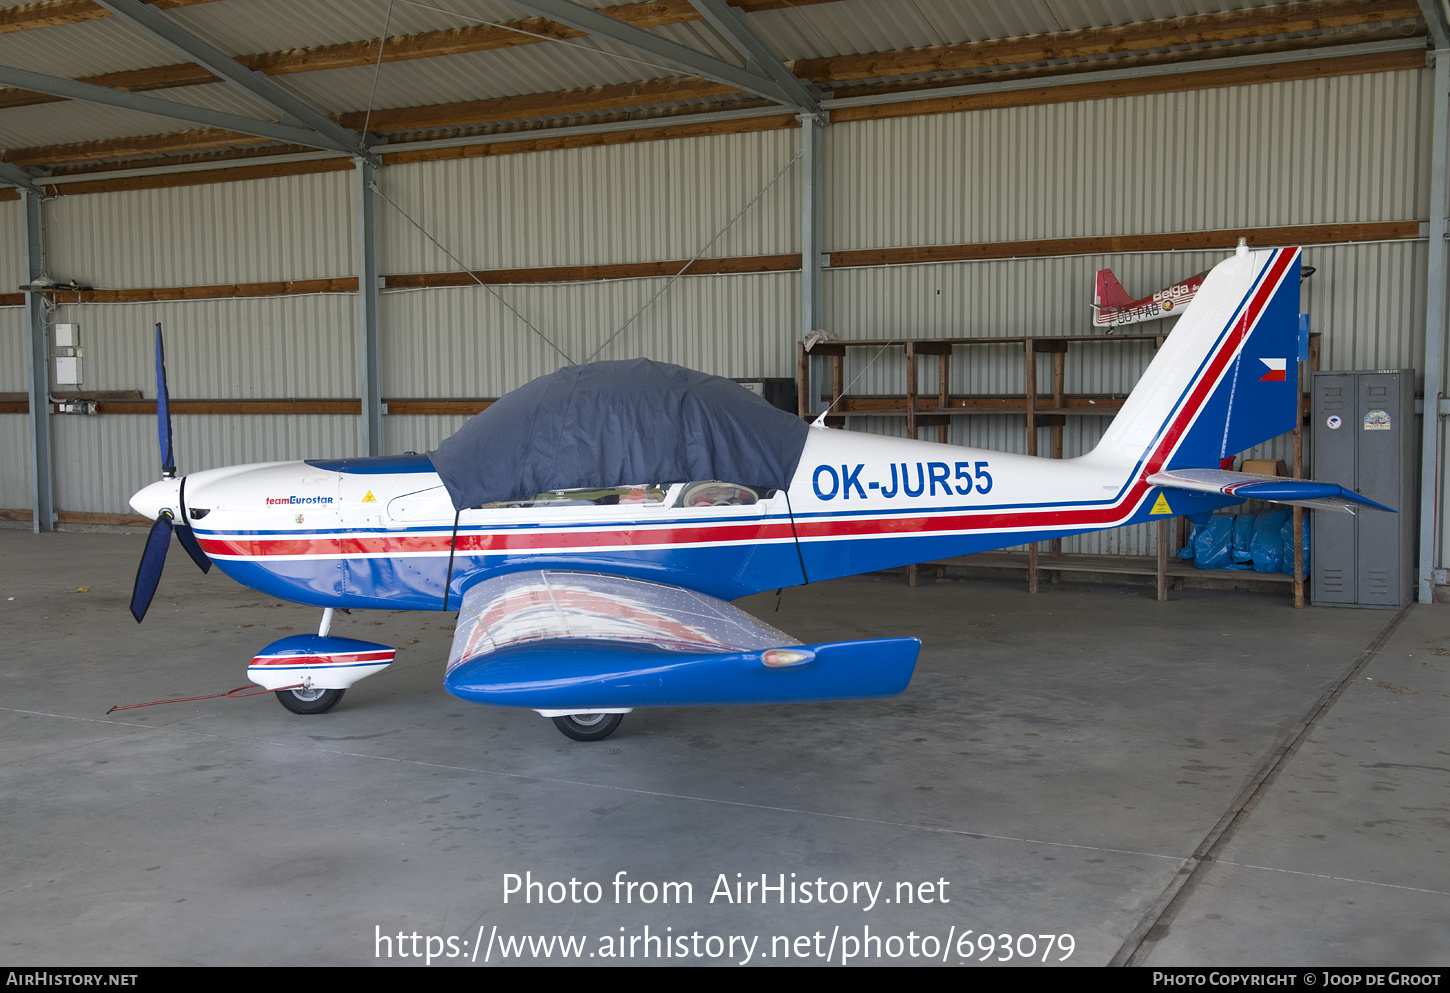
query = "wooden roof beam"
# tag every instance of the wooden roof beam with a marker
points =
(124, 148)
(51, 13)
(1257, 22)
(594, 98)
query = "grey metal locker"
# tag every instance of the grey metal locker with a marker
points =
(1364, 436)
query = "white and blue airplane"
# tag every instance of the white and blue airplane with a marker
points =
(588, 600)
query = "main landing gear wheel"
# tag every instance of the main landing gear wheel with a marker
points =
(588, 727)
(309, 701)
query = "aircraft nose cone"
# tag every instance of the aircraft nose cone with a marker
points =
(164, 494)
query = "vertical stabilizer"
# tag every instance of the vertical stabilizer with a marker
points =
(1227, 377)
(1110, 292)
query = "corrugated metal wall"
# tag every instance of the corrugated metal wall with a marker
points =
(12, 319)
(13, 353)
(12, 240)
(292, 227)
(463, 342)
(591, 206)
(15, 460)
(253, 348)
(1344, 149)
(14, 428)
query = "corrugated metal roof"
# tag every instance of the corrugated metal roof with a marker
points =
(792, 29)
(858, 26)
(471, 76)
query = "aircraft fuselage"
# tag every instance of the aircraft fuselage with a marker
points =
(380, 533)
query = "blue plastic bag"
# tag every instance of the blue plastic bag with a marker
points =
(1267, 544)
(1213, 543)
(1243, 538)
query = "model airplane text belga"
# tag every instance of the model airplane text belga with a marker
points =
(591, 526)
(1114, 308)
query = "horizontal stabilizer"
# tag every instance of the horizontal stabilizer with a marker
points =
(587, 642)
(1276, 489)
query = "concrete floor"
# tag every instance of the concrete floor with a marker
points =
(1059, 766)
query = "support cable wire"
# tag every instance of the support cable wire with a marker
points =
(377, 69)
(718, 235)
(471, 274)
(820, 421)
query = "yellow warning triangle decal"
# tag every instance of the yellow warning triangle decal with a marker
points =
(372, 499)
(1159, 507)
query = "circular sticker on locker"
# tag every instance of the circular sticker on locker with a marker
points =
(1377, 420)
(1334, 421)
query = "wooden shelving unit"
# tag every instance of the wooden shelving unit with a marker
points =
(1049, 409)
(1039, 409)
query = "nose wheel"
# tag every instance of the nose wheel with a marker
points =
(586, 727)
(305, 700)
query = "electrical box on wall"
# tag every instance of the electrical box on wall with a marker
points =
(66, 340)
(67, 370)
(1365, 438)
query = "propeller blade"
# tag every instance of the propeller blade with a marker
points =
(163, 410)
(187, 537)
(153, 560)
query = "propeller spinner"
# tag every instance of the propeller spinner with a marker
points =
(165, 501)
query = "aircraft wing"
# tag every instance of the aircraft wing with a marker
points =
(580, 642)
(1277, 489)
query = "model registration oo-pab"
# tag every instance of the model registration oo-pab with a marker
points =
(591, 527)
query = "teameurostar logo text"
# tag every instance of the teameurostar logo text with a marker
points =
(288, 501)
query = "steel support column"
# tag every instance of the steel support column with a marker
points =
(1434, 333)
(42, 499)
(368, 300)
(811, 244)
